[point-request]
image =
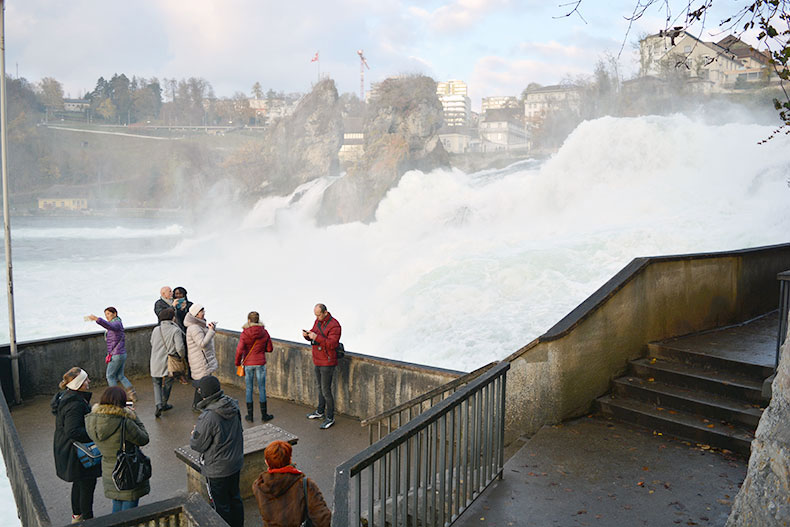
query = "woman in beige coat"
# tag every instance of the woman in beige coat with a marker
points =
(200, 347)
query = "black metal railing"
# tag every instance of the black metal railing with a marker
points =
(784, 307)
(384, 423)
(429, 470)
(29, 503)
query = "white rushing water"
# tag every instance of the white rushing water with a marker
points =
(457, 270)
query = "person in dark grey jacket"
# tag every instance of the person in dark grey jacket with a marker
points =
(218, 437)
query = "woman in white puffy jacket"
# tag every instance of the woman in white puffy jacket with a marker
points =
(200, 346)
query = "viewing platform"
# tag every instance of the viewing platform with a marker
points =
(317, 453)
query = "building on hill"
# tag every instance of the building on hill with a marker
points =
(353, 147)
(76, 105)
(455, 101)
(503, 129)
(498, 102)
(456, 139)
(539, 101)
(721, 64)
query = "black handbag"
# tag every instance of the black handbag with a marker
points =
(132, 467)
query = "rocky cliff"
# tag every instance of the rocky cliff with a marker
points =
(401, 127)
(297, 149)
(764, 498)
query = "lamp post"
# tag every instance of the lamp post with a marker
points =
(6, 214)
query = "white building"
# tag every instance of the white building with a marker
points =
(456, 103)
(501, 129)
(721, 64)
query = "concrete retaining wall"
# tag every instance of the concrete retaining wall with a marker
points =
(364, 386)
(561, 373)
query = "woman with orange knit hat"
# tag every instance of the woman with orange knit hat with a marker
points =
(285, 496)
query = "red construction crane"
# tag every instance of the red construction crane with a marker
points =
(362, 65)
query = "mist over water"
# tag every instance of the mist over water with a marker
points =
(457, 270)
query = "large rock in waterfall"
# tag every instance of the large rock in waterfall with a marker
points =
(401, 134)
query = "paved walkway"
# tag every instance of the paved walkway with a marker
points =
(317, 453)
(597, 472)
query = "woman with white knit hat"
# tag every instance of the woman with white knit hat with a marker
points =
(70, 407)
(200, 346)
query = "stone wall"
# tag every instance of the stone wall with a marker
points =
(561, 373)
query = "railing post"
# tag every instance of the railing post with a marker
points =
(340, 516)
(784, 307)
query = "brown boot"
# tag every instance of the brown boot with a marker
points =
(131, 395)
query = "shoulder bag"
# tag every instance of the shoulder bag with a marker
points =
(240, 368)
(88, 454)
(132, 467)
(340, 350)
(176, 365)
(306, 522)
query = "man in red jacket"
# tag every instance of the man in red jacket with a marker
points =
(324, 337)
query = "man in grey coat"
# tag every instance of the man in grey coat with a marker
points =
(218, 437)
(166, 339)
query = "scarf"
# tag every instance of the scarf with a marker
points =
(169, 302)
(287, 469)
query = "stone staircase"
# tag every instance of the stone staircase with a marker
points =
(705, 388)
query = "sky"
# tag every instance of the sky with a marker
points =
(496, 46)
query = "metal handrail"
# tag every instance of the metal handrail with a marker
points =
(784, 307)
(414, 407)
(430, 470)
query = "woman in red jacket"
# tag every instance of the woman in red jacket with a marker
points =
(254, 344)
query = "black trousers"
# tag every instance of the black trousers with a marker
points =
(82, 497)
(225, 496)
(323, 379)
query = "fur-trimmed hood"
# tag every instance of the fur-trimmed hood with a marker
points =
(252, 324)
(105, 419)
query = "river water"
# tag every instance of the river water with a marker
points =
(457, 270)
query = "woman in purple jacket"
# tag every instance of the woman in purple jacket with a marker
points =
(116, 350)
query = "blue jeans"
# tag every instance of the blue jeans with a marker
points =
(120, 505)
(260, 371)
(115, 371)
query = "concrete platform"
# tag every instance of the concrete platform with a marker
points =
(751, 343)
(597, 472)
(317, 453)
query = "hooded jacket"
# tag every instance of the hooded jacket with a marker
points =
(166, 338)
(116, 340)
(70, 407)
(280, 498)
(218, 436)
(104, 427)
(326, 340)
(254, 344)
(200, 347)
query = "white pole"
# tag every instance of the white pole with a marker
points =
(6, 215)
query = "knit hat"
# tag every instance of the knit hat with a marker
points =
(166, 314)
(208, 386)
(195, 309)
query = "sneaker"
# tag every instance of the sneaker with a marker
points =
(76, 518)
(167, 407)
(327, 423)
(315, 415)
